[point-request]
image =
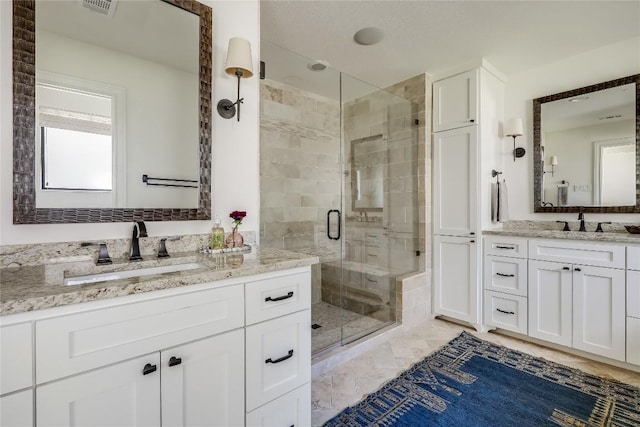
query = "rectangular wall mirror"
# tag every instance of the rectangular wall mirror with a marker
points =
(587, 149)
(112, 118)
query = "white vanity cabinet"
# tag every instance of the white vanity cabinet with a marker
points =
(192, 384)
(633, 305)
(578, 302)
(467, 110)
(175, 357)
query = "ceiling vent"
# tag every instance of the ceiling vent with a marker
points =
(103, 7)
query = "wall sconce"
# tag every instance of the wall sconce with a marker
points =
(513, 127)
(238, 64)
(553, 161)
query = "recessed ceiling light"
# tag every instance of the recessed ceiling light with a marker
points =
(317, 66)
(368, 36)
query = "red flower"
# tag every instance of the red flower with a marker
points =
(237, 217)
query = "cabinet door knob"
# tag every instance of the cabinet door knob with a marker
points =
(288, 295)
(471, 121)
(566, 268)
(149, 368)
(175, 361)
(472, 241)
(282, 359)
(577, 269)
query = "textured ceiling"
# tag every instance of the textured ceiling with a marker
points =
(434, 36)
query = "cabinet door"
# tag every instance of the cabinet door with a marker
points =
(118, 395)
(599, 311)
(456, 281)
(455, 101)
(550, 294)
(203, 382)
(455, 187)
(16, 410)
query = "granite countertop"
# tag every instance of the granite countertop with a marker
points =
(617, 237)
(38, 287)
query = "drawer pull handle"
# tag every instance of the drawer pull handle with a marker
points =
(282, 359)
(566, 268)
(372, 254)
(175, 361)
(506, 247)
(149, 368)
(505, 312)
(505, 275)
(371, 280)
(577, 269)
(288, 295)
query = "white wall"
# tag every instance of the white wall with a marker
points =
(599, 65)
(235, 177)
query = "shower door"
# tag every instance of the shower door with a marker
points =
(338, 180)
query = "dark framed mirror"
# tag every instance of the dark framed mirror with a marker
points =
(586, 145)
(32, 170)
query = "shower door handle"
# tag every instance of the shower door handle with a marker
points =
(329, 224)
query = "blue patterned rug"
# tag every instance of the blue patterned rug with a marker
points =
(471, 382)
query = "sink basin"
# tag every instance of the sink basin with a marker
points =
(127, 274)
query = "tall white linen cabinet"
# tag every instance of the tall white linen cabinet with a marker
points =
(468, 110)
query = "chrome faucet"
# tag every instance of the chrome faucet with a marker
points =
(581, 218)
(139, 230)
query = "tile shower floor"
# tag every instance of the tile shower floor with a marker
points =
(352, 380)
(331, 318)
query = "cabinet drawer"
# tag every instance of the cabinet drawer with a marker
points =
(633, 340)
(292, 409)
(597, 255)
(633, 293)
(271, 298)
(278, 357)
(16, 410)
(16, 356)
(505, 311)
(70, 344)
(508, 275)
(633, 258)
(515, 247)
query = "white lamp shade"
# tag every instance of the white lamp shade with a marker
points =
(513, 127)
(239, 57)
(553, 161)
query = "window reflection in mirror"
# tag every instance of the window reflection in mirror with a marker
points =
(591, 138)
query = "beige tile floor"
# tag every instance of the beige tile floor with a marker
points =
(350, 381)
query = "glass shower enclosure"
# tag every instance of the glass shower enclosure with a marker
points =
(338, 173)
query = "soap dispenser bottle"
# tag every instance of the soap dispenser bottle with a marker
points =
(217, 235)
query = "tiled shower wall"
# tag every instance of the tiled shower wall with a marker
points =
(299, 171)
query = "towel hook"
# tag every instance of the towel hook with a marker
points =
(495, 174)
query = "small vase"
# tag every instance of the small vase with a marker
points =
(234, 240)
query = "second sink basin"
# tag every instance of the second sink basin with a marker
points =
(127, 274)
